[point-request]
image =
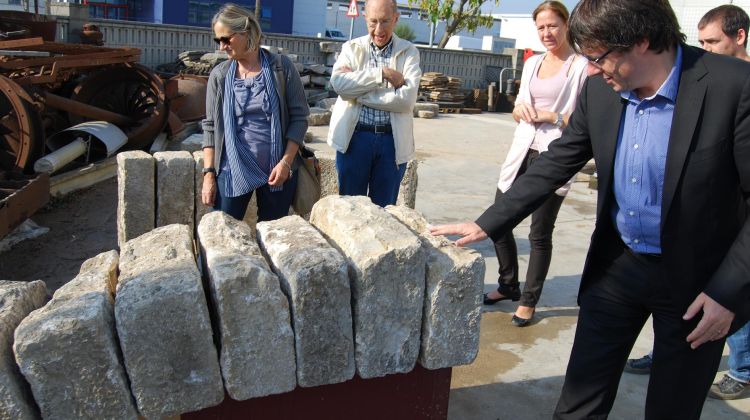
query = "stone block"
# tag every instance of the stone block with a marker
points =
(426, 114)
(309, 137)
(453, 296)
(407, 192)
(136, 195)
(163, 325)
(326, 103)
(69, 353)
(318, 116)
(387, 271)
(175, 188)
(254, 326)
(329, 177)
(330, 46)
(192, 143)
(200, 208)
(17, 300)
(314, 276)
(426, 106)
(97, 274)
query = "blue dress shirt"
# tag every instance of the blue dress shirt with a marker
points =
(640, 160)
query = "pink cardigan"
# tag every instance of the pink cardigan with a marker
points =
(526, 132)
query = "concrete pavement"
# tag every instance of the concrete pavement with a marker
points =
(518, 373)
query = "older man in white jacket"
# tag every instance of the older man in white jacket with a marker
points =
(377, 78)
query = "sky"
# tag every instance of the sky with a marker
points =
(519, 6)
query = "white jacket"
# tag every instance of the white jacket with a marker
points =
(365, 86)
(525, 132)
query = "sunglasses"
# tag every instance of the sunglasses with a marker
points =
(224, 39)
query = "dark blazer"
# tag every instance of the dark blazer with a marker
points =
(705, 241)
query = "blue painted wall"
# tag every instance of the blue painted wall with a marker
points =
(276, 15)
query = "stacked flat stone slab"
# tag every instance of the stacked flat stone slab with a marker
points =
(68, 351)
(257, 340)
(315, 277)
(200, 208)
(452, 304)
(388, 277)
(426, 106)
(175, 190)
(136, 199)
(163, 325)
(17, 300)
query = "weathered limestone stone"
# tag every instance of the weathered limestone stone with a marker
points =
(452, 301)
(17, 300)
(136, 198)
(68, 351)
(315, 278)
(163, 325)
(330, 46)
(97, 274)
(192, 143)
(257, 340)
(319, 116)
(426, 114)
(426, 106)
(326, 103)
(407, 193)
(329, 181)
(387, 280)
(175, 186)
(309, 137)
(200, 208)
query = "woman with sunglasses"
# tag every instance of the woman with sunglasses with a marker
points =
(550, 84)
(256, 119)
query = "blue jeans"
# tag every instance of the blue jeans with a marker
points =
(739, 354)
(271, 205)
(369, 168)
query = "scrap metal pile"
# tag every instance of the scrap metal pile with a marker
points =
(63, 106)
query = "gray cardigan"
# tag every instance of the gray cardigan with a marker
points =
(292, 101)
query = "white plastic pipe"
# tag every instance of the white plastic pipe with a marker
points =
(60, 157)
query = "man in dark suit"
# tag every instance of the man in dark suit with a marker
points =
(669, 128)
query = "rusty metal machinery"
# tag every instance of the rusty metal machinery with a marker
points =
(21, 130)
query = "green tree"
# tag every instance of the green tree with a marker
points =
(404, 31)
(458, 15)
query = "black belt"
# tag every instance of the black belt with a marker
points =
(374, 128)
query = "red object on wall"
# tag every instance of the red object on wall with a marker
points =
(419, 394)
(527, 52)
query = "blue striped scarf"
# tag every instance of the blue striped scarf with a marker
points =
(245, 175)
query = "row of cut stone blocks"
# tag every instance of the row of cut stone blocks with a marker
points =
(358, 288)
(165, 188)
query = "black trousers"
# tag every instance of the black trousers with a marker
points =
(624, 288)
(540, 241)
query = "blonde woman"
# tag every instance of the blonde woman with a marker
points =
(550, 84)
(256, 119)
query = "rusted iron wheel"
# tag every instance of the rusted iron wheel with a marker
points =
(21, 130)
(190, 104)
(133, 91)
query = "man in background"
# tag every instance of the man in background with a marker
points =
(377, 78)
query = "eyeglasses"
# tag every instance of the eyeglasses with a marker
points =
(224, 39)
(597, 61)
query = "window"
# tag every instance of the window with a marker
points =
(406, 15)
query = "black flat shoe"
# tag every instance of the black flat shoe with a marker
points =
(521, 322)
(513, 297)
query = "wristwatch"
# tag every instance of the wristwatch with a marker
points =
(559, 120)
(209, 170)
